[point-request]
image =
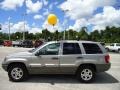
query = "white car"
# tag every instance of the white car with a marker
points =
(113, 47)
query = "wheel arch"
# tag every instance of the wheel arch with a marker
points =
(16, 63)
(87, 64)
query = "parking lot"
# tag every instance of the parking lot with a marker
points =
(109, 80)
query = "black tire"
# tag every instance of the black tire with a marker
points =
(80, 71)
(118, 50)
(24, 75)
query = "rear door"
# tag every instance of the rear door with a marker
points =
(70, 57)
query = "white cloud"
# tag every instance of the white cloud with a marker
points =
(109, 17)
(49, 9)
(38, 17)
(45, 2)
(48, 26)
(33, 7)
(11, 4)
(35, 30)
(80, 23)
(19, 27)
(46, 12)
(83, 8)
(51, 6)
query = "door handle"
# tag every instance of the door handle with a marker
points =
(79, 57)
(54, 58)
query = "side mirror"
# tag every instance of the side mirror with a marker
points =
(37, 54)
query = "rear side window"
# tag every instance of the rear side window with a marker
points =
(91, 48)
(71, 48)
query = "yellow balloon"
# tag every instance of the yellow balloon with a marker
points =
(52, 19)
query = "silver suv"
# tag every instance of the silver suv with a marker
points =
(82, 58)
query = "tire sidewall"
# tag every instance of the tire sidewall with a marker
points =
(25, 73)
(118, 50)
(79, 74)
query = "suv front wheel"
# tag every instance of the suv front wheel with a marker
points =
(17, 73)
(86, 74)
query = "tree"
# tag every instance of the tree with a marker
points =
(83, 35)
(95, 35)
(45, 34)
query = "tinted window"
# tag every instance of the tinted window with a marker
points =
(111, 44)
(51, 49)
(71, 48)
(91, 48)
(118, 44)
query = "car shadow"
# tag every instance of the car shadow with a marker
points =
(101, 78)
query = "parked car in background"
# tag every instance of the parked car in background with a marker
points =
(38, 43)
(1, 42)
(16, 43)
(7, 43)
(113, 47)
(102, 43)
(26, 43)
(82, 58)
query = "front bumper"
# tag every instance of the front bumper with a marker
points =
(4, 66)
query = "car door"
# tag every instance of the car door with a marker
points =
(48, 59)
(70, 57)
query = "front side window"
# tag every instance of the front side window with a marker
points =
(91, 48)
(71, 48)
(51, 49)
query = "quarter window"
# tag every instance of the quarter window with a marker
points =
(71, 48)
(92, 48)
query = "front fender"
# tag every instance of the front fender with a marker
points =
(12, 60)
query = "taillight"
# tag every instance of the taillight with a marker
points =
(107, 58)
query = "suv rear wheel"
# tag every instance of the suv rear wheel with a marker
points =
(17, 73)
(86, 74)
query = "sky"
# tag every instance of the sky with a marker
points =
(71, 14)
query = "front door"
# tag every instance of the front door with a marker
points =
(48, 59)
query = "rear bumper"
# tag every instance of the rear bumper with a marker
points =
(103, 67)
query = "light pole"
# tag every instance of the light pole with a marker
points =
(64, 25)
(24, 14)
(64, 34)
(9, 26)
(0, 26)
